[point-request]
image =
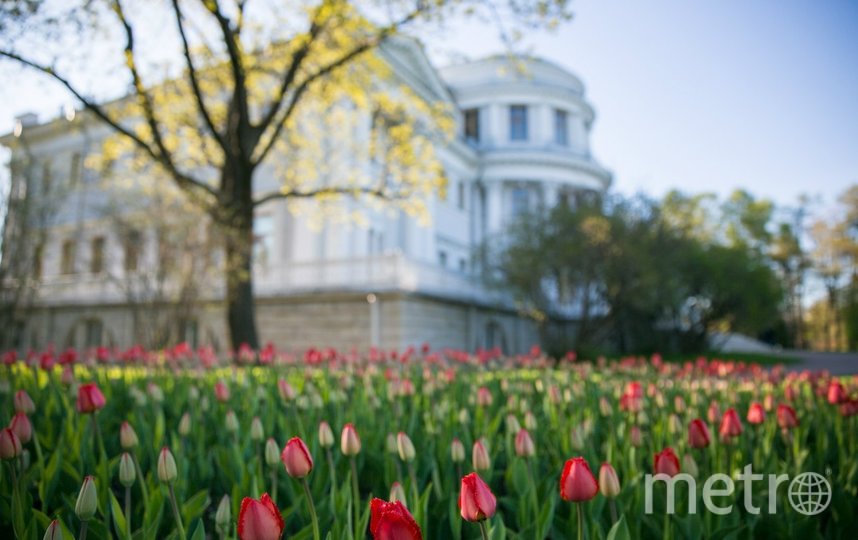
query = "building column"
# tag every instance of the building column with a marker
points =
(494, 194)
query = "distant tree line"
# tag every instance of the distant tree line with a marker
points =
(634, 274)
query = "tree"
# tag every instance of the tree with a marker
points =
(241, 77)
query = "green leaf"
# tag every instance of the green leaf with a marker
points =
(199, 530)
(620, 530)
(119, 521)
(195, 506)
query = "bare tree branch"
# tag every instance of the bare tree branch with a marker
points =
(188, 184)
(192, 75)
(378, 192)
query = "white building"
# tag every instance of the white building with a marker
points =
(523, 145)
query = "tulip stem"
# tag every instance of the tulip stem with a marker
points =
(333, 477)
(414, 491)
(312, 506)
(274, 484)
(580, 521)
(83, 525)
(613, 505)
(143, 489)
(355, 495)
(176, 511)
(128, 511)
(484, 531)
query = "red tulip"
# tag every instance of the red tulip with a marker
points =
(787, 418)
(22, 427)
(484, 397)
(476, 500)
(698, 434)
(89, 398)
(297, 458)
(714, 412)
(731, 426)
(259, 520)
(24, 403)
(635, 436)
(756, 414)
(392, 521)
(10, 444)
(836, 393)
(221, 391)
(577, 483)
(666, 462)
(524, 446)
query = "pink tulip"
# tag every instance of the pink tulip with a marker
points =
(476, 500)
(296, 458)
(259, 519)
(89, 398)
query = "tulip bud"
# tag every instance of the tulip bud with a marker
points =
(787, 418)
(185, 425)
(272, 452)
(54, 531)
(666, 462)
(10, 444)
(390, 444)
(87, 500)
(484, 397)
(512, 425)
(231, 421)
(524, 446)
(476, 500)
(349, 441)
(480, 457)
(257, 433)
(23, 402)
(221, 391)
(609, 484)
(635, 436)
(397, 493)
(167, 466)
(698, 434)
(731, 426)
(577, 483)
(689, 465)
(457, 451)
(326, 436)
(296, 458)
(127, 472)
(405, 447)
(127, 436)
(22, 427)
(674, 424)
(530, 423)
(223, 514)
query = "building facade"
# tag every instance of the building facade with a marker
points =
(523, 129)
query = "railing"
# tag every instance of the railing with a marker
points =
(383, 273)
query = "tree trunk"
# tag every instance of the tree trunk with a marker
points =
(236, 221)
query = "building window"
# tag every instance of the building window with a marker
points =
(442, 258)
(67, 257)
(263, 239)
(74, 173)
(518, 122)
(46, 177)
(472, 125)
(132, 248)
(94, 331)
(463, 266)
(38, 255)
(520, 197)
(561, 127)
(460, 200)
(96, 261)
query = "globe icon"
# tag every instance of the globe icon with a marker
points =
(809, 493)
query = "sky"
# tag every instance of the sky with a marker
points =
(700, 95)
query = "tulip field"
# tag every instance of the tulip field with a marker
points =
(185, 444)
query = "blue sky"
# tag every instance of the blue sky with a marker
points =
(703, 95)
(711, 95)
